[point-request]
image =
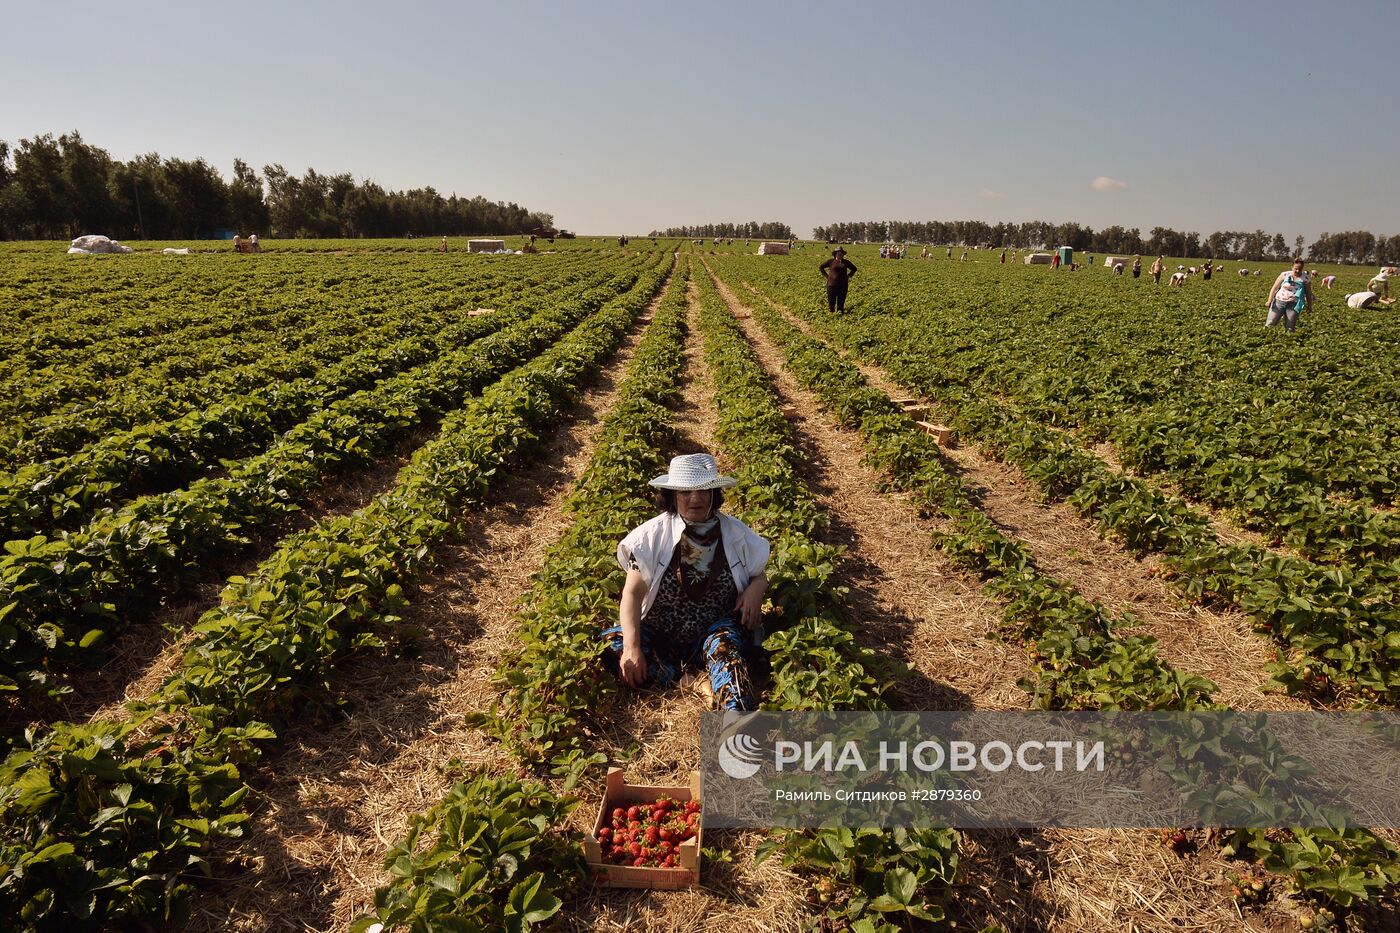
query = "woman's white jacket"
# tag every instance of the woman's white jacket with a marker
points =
(648, 549)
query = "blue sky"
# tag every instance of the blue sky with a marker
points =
(621, 117)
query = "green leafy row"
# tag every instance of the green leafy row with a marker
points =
(69, 323)
(1080, 662)
(1077, 661)
(551, 685)
(862, 878)
(60, 597)
(1344, 624)
(62, 402)
(1262, 440)
(41, 496)
(111, 822)
(1341, 624)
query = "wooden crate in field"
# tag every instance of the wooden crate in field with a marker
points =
(618, 792)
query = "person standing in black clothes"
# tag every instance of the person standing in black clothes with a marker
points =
(837, 271)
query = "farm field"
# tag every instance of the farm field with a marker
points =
(307, 552)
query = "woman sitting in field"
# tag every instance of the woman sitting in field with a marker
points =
(694, 590)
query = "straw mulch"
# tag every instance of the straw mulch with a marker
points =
(1217, 643)
(1078, 880)
(146, 654)
(654, 736)
(905, 596)
(340, 792)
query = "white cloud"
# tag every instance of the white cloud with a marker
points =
(1104, 183)
(991, 195)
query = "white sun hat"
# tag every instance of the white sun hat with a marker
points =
(693, 472)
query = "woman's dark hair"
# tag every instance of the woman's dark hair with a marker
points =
(666, 500)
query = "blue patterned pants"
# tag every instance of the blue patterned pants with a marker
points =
(719, 649)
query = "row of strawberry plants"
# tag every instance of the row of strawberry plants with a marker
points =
(170, 388)
(1339, 623)
(60, 597)
(1343, 625)
(157, 339)
(110, 823)
(97, 372)
(178, 359)
(551, 684)
(1079, 658)
(1193, 378)
(39, 497)
(67, 318)
(861, 878)
(109, 333)
(1241, 442)
(1077, 661)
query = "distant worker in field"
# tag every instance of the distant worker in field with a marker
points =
(1364, 300)
(1158, 267)
(1290, 295)
(1178, 278)
(838, 272)
(1055, 260)
(950, 252)
(443, 247)
(237, 243)
(1003, 257)
(1206, 269)
(1137, 266)
(1118, 267)
(1380, 284)
(1328, 281)
(253, 246)
(694, 591)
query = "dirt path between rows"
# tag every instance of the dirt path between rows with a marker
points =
(655, 736)
(904, 593)
(1084, 881)
(147, 654)
(1217, 643)
(340, 793)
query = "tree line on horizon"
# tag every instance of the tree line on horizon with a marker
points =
(759, 230)
(1356, 246)
(61, 188)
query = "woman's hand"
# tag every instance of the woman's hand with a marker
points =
(633, 665)
(750, 603)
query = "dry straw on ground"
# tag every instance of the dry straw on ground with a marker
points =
(339, 793)
(1081, 880)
